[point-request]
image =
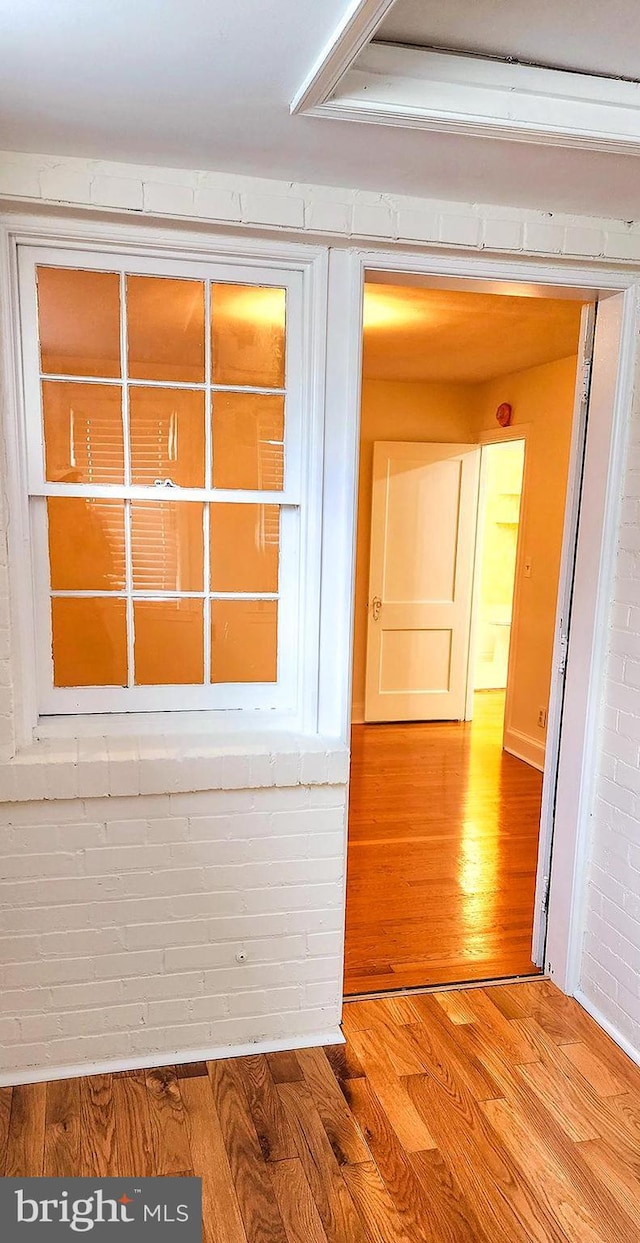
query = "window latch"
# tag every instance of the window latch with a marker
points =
(164, 483)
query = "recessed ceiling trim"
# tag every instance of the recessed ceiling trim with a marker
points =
(387, 84)
(356, 29)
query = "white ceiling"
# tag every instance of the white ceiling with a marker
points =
(202, 84)
(444, 335)
(601, 37)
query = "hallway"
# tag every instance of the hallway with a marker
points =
(443, 837)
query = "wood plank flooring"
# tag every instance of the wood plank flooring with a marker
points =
(498, 1115)
(443, 842)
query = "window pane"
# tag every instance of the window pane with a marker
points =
(86, 544)
(165, 329)
(79, 320)
(248, 431)
(167, 545)
(245, 542)
(248, 335)
(168, 642)
(89, 642)
(167, 436)
(83, 438)
(244, 640)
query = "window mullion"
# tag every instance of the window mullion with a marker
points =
(147, 492)
(124, 369)
(128, 549)
(138, 594)
(60, 377)
(208, 477)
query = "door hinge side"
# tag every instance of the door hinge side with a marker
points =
(586, 379)
(563, 648)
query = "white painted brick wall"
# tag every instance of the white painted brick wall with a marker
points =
(611, 955)
(131, 883)
(254, 202)
(147, 926)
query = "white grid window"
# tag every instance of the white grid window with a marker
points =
(164, 431)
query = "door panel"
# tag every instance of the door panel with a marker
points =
(423, 526)
(415, 661)
(422, 497)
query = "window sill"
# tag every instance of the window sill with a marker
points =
(219, 726)
(183, 761)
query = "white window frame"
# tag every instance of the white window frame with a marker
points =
(292, 702)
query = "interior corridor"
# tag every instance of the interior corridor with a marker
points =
(443, 837)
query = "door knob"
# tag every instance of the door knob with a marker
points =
(376, 607)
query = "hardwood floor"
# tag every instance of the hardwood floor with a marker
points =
(443, 840)
(498, 1115)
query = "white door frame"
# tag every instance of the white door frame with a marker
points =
(601, 495)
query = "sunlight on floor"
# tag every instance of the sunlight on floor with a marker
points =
(442, 853)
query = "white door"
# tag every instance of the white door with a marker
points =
(423, 529)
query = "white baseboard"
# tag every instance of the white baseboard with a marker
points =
(171, 1057)
(607, 1026)
(524, 748)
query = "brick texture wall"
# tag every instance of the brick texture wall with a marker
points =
(251, 203)
(139, 927)
(611, 955)
(137, 923)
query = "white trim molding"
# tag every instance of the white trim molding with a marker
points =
(607, 1026)
(524, 747)
(173, 1057)
(356, 79)
(353, 33)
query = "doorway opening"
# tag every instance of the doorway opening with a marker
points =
(493, 594)
(501, 478)
(468, 409)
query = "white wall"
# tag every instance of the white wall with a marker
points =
(69, 832)
(542, 399)
(135, 927)
(136, 922)
(257, 203)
